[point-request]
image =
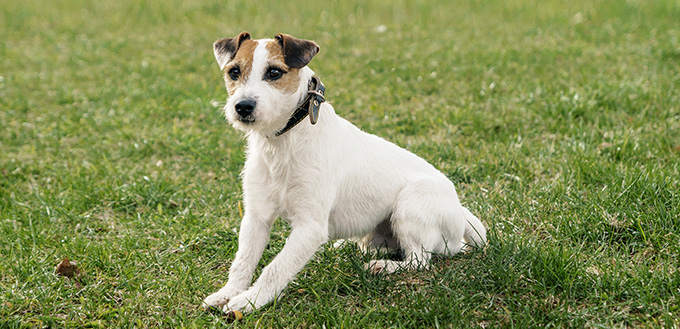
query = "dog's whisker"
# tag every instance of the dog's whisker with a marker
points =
(219, 104)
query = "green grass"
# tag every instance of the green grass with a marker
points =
(558, 121)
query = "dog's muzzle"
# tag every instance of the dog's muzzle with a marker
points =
(245, 109)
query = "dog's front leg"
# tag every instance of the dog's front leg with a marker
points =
(305, 238)
(253, 238)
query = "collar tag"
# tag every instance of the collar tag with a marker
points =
(316, 97)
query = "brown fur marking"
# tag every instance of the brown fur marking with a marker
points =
(290, 81)
(244, 60)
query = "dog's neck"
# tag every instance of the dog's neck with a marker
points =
(309, 107)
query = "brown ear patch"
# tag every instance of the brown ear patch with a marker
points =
(225, 49)
(297, 53)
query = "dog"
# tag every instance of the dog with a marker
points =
(325, 176)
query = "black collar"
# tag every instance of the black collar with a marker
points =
(310, 106)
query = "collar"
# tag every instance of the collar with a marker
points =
(309, 107)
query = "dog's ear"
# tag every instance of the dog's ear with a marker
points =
(297, 52)
(225, 49)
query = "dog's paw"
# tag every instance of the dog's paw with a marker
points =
(382, 266)
(215, 301)
(249, 300)
(221, 297)
(242, 303)
(375, 266)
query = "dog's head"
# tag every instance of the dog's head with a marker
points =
(266, 79)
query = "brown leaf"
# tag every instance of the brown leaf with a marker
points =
(234, 316)
(67, 268)
(70, 270)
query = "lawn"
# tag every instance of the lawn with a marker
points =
(559, 122)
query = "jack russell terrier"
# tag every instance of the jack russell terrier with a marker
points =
(325, 176)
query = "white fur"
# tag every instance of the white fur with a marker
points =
(332, 181)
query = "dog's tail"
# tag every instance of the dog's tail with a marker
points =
(475, 232)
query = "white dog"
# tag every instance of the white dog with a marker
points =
(328, 179)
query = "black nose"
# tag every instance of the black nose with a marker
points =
(245, 107)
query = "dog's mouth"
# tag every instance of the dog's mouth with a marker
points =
(248, 119)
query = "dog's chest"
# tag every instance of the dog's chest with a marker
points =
(278, 166)
(280, 175)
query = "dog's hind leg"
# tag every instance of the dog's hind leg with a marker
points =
(381, 240)
(427, 218)
(475, 232)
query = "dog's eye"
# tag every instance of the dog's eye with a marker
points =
(273, 73)
(234, 73)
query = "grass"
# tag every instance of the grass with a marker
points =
(558, 121)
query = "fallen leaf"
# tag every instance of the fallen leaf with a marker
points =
(234, 316)
(70, 270)
(67, 268)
